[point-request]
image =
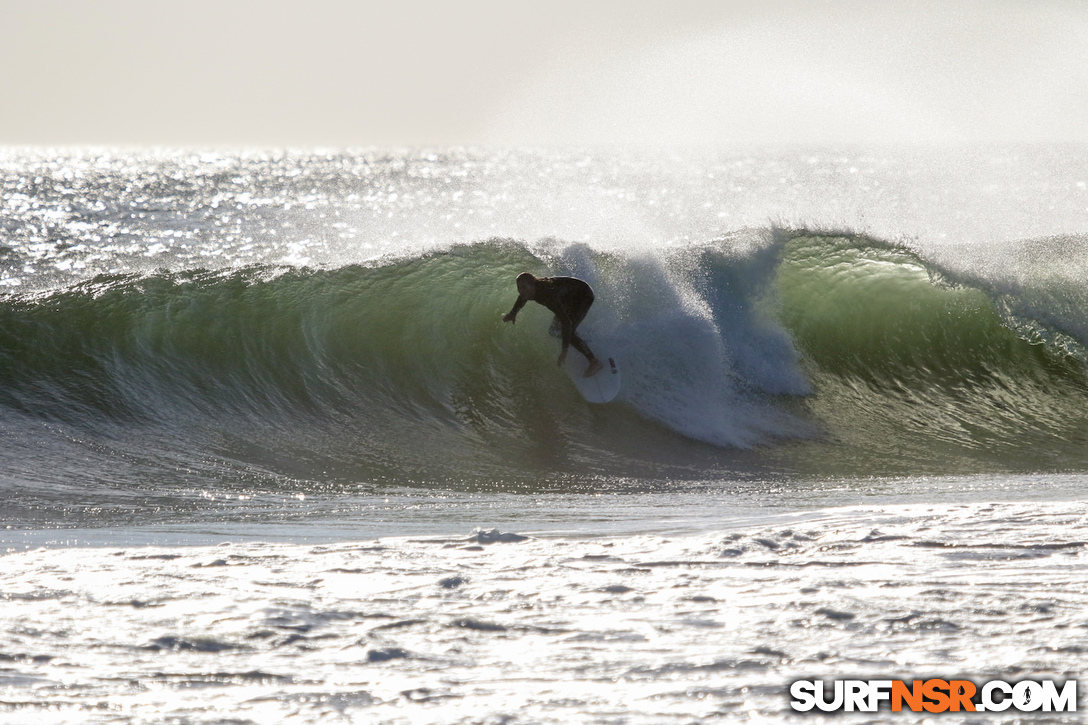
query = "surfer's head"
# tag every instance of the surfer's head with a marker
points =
(526, 285)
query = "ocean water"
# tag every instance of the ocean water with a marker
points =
(268, 453)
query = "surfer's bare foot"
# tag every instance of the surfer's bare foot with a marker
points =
(594, 366)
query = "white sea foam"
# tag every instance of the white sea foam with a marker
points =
(544, 629)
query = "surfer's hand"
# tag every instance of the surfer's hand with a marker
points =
(562, 358)
(509, 317)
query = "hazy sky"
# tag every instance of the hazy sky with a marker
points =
(422, 72)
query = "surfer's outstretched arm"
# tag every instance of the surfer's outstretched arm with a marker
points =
(512, 315)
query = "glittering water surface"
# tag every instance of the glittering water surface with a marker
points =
(500, 627)
(72, 213)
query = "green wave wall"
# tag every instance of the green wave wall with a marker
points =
(795, 352)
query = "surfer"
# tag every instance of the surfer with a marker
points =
(569, 299)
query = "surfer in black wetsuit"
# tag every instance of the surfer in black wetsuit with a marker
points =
(569, 299)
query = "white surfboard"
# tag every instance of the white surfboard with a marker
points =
(603, 386)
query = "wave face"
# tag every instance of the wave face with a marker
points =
(776, 351)
(927, 370)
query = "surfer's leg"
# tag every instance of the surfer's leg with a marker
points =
(580, 345)
(578, 313)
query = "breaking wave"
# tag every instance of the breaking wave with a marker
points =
(784, 349)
